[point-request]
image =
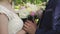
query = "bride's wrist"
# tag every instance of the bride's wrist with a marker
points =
(32, 33)
(21, 32)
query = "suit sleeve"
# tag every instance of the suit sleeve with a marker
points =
(42, 31)
(55, 27)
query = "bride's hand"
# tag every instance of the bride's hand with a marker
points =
(30, 27)
(21, 32)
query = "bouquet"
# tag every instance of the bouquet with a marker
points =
(30, 11)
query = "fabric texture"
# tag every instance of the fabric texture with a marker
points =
(50, 22)
(15, 23)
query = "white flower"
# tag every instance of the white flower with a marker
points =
(28, 9)
(23, 13)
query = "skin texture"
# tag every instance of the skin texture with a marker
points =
(3, 24)
(30, 27)
(4, 18)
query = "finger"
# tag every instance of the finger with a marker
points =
(26, 23)
(26, 26)
(29, 25)
(35, 22)
(30, 22)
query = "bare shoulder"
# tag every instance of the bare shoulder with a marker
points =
(3, 17)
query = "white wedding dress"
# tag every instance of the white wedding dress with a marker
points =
(15, 23)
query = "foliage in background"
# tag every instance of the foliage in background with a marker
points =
(40, 3)
(31, 1)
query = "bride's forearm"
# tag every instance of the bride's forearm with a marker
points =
(21, 32)
(3, 24)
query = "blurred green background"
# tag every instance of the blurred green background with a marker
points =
(41, 3)
(31, 1)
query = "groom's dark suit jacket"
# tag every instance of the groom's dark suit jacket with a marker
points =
(50, 22)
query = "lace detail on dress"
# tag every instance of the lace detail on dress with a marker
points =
(15, 23)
